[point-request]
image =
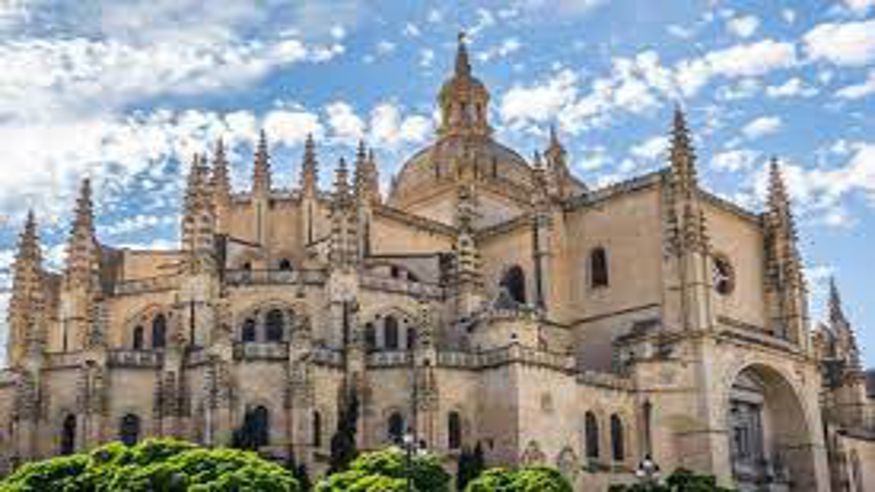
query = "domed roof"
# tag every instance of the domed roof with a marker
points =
(443, 160)
(464, 141)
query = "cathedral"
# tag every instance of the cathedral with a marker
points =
(485, 298)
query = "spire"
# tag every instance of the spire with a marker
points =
(366, 180)
(261, 170)
(27, 301)
(221, 182)
(309, 167)
(341, 182)
(786, 265)
(682, 156)
(836, 312)
(198, 217)
(463, 66)
(779, 199)
(83, 255)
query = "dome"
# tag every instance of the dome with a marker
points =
(443, 161)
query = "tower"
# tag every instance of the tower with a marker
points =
(81, 285)
(463, 100)
(261, 186)
(199, 216)
(367, 195)
(27, 330)
(687, 245)
(785, 283)
(309, 181)
(221, 188)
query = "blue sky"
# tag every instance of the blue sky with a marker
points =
(125, 92)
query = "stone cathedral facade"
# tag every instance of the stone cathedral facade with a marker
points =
(487, 298)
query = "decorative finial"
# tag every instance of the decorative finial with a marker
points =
(463, 66)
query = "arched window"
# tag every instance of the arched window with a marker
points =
(390, 332)
(370, 336)
(274, 325)
(317, 429)
(598, 267)
(454, 430)
(396, 428)
(68, 435)
(159, 331)
(618, 451)
(138, 338)
(256, 427)
(129, 429)
(248, 332)
(285, 265)
(591, 431)
(247, 266)
(723, 275)
(394, 271)
(514, 280)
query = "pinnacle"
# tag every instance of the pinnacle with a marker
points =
(463, 65)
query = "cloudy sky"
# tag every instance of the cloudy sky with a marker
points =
(125, 92)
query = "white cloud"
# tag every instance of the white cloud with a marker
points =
(847, 44)
(562, 7)
(346, 126)
(411, 30)
(793, 87)
(859, 6)
(385, 47)
(540, 102)
(762, 126)
(388, 127)
(135, 223)
(652, 149)
(426, 57)
(858, 91)
(291, 126)
(789, 16)
(744, 60)
(506, 48)
(734, 160)
(743, 27)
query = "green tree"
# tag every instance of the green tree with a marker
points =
(533, 479)
(158, 464)
(343, 447)
(469, 466)
(386, 471)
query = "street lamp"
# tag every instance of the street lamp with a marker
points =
(647, 471)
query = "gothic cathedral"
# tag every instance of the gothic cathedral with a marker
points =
(487, 298)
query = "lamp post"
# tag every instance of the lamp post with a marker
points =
(647, 471)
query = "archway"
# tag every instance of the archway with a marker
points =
(129, 429)
(770, 441)
(68, 435)
(514, 281)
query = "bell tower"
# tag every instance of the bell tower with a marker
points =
(463, 100)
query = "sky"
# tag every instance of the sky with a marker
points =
(125, 92)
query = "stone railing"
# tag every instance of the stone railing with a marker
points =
(135, 358)
(63, 359)
(275, 277)
(394, 358)
(140, 285)
(465, 360)
(402, 286)
(261, 351)
(327, 357)
(753, 333)
(605, 380)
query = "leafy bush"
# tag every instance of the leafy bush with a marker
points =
(534, 479)
(386, 471)
(159, 464)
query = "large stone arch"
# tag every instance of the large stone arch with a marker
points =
(769, 430)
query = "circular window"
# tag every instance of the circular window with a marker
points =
(723, 275)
